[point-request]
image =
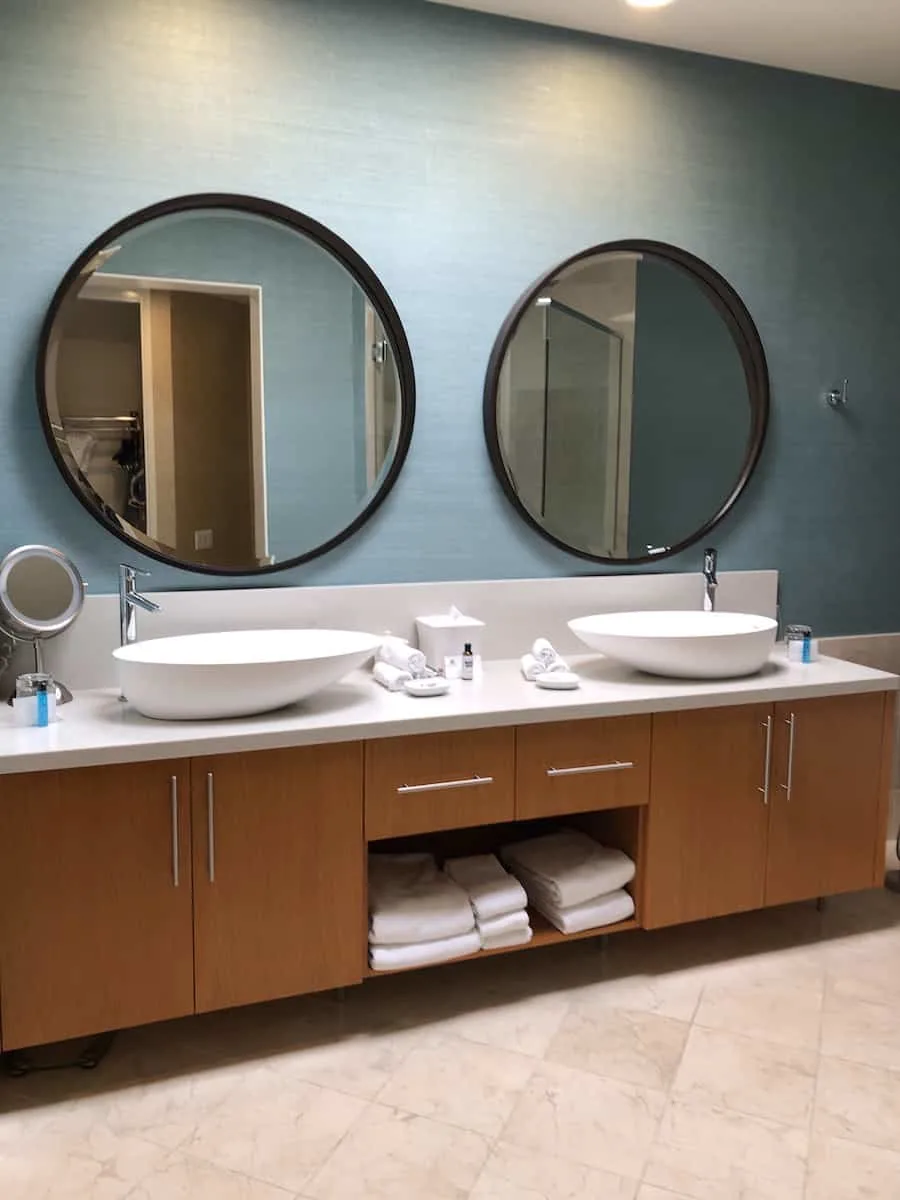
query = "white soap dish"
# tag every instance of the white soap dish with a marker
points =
(433, 685)
(558, 681)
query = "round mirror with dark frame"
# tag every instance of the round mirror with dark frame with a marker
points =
(626, 402)
(225, 384)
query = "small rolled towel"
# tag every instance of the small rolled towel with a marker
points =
(568, 866)
(491, 890)
(410, 900)
(501, 941)
(533, 665)
(422, 954)
(400, 654)
(390, 677)
(604, 910)
(509, 923)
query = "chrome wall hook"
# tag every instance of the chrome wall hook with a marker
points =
(837, 398)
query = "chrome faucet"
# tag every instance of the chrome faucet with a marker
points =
(710, 563)
(130, 599)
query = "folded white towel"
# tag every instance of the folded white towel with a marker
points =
(532, 666)
(515, 937)
(491, 890)
(392, 678)
(410, 900)
(400, 654)
(420, 954)
(604, 910)
(570, 866)
(495, 926)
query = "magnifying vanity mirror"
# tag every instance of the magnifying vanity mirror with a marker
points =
(225, 384)
(626, 402)
(41, 595)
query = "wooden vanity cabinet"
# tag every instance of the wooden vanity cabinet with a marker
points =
(95, 900)
(733, 827)
(830, 780)
(279, 873)
(708, 821)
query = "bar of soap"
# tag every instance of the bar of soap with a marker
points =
(558, 681)
(434, 685)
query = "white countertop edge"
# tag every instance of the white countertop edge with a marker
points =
(96, 729)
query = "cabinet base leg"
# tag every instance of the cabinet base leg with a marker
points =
(18, 1063)
(603, 943)
(820, 903)
(892, 881)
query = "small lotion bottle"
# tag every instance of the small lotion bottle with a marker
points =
(467, 664)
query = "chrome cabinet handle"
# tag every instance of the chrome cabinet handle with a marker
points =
(475, 781)
(767, 726)
(789, 786)
(173, 797)
(593, 769)
(211, 825)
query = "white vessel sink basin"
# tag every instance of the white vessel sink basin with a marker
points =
(685, 645)
(210, 675)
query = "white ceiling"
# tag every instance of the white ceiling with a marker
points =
(845, 39)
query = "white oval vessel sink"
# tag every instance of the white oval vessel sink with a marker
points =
(204, 676)
(685, 645)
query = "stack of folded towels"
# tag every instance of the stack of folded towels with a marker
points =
(498, 900)
(574, 881)
(417, 914)
(396, 662)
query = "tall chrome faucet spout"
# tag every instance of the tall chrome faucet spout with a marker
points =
(710, 565)
(130, 600)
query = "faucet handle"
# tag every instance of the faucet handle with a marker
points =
(127, 571)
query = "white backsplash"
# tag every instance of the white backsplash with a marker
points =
(515, 611)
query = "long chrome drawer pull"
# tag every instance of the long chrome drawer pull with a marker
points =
(789, 786)
(594, 769)
(211, 824)
(767, 726)
(173, 796)
(475, 781)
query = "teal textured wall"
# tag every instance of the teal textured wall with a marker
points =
(462, 156)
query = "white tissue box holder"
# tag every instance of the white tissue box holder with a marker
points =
(444, 635)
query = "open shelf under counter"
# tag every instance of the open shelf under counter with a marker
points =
(545, 934)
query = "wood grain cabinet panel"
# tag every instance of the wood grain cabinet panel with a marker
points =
(708, 820)
(582, 766)
(826, 826)
(279, 873)
(439, 781)
(95, 900)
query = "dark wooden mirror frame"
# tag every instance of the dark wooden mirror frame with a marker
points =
(746, 338)
(348, 258)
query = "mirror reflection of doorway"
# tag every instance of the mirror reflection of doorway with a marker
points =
(186, 465)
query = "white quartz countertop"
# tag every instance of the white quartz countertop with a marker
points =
(98, 728)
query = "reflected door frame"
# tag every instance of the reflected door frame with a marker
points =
(144, 290)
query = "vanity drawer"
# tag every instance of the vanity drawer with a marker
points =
(439, 781)
(582, 766)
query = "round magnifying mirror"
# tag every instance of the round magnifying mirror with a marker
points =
(41, 594)
(626, 402)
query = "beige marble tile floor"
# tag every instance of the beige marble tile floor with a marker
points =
(751, 1058)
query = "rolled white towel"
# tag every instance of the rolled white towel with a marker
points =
(532, 666)
(410, 900)
(568, 866)
(491, 890)
(508, 923)
(390, 677)
(501, 941)
(421, 954)
(400, 654)
(604, 910)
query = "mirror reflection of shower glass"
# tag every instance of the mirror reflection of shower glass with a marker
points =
(224, 388)
(623, 416)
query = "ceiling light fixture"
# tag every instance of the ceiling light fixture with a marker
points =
(648, 3)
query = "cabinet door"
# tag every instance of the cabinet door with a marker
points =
(95, 900)
(829, 789)
(706, 831)
(279, 906)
